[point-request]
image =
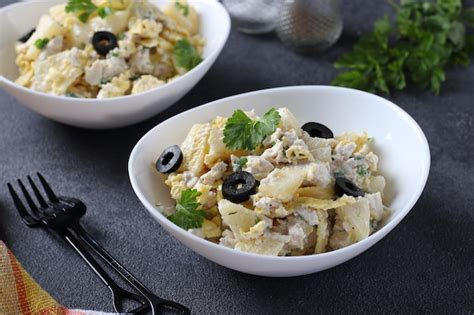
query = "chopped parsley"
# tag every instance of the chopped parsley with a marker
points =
(188, 215)
(40, 43)
(243, 133)
(239, 164)
(184, 8)
(257, 220)
(83, 8)
(361, 170)
(103, 12)
(185, 55)
(121, 36)
(357, 157)
(232, 213)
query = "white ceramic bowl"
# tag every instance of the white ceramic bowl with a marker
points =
(19, 18)
(404, 160)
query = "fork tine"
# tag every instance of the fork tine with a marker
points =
(29, 220)
(40, 198)
(51, 195)
(29, 200)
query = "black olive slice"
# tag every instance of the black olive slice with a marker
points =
(27, 36)
(170, 160)
(239, 186)
(318, 130)
(104, 42)
(345, 186)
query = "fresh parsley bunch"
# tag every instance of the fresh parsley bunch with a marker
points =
(428, 36)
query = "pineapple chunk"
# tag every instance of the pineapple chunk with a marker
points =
(282, 183)
(322, 232)
(212, 228)
(194, 148)
(237, 217)
(266, 247)
(288, 121)
(316, 192)
(319, 204)
(352, 224)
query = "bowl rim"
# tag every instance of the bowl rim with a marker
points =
(212, 55)
(356, 247)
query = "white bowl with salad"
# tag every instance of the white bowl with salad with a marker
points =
(107, 63)
(282, 182)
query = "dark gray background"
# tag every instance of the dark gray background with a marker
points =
(423, 265)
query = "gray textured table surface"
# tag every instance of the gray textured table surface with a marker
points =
(423, 265)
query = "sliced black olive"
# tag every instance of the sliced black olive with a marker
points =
(27, 36)
(318, 130)
(239, 186)
(170, 160)
(104, 42)
(345, 186)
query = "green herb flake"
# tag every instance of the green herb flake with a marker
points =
(103, 12)
(361, 170)
(185, 55)
(243, 133)
(40, 43)
(239, 164)
(184, 8)
(121, 36)
(232, 213)
(83, 8)
(188, 214)
(257, 220)
(358, 157)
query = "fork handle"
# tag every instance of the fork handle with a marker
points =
(118, 293)
(154, 301)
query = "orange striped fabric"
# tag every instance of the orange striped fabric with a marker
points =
(20, 294)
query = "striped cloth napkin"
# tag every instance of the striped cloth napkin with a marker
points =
(20, 294)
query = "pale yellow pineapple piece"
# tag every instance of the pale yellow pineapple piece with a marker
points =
(212, 228)
(237, 217)
(194, 148)
(263, 247)
(316, 192)
(282, 183)
(322, 232)
(360, 139)
(319, 204)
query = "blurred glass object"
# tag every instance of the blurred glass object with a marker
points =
(253, 16)
(309, 26)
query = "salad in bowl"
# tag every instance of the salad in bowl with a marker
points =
(267, 185)
(109, 48)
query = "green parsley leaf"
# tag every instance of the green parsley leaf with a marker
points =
(426, 38)
(184, 8)
(361, 170)
(40, 43)
(243, 133)
(84, 9)
(121, 36)
(239, 164)
(103, 12)
(185, 55)
(188, 215)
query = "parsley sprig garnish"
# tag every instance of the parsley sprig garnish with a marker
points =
(239, 164)
(184, 8)
(427, 37)
(188, 215)
(85, 8)
(40, 43)
(243, 133)
(185, 55)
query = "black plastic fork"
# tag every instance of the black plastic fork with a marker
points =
(62, 214)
